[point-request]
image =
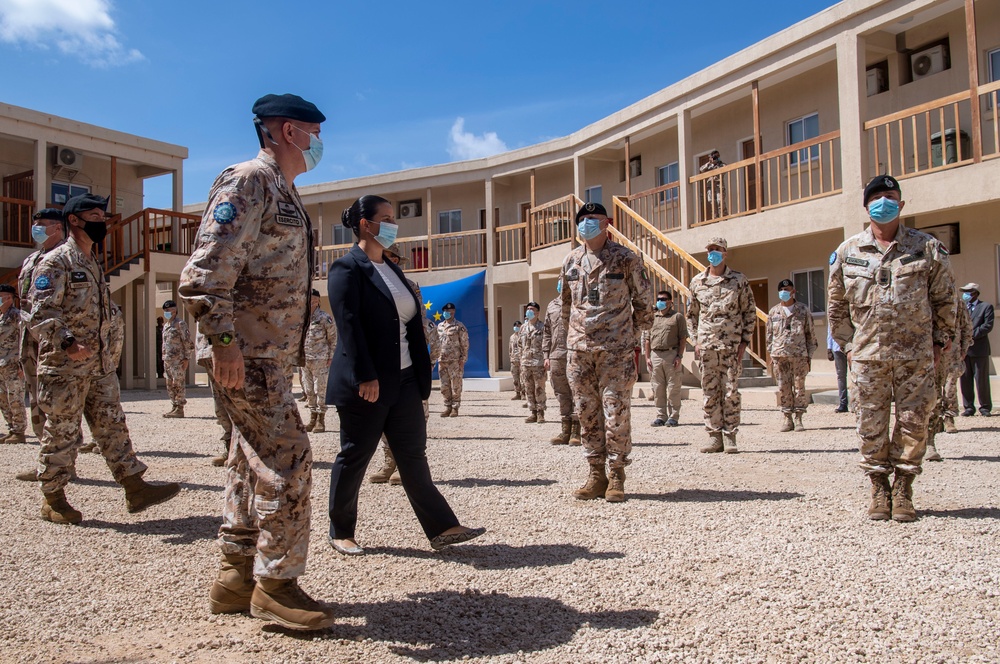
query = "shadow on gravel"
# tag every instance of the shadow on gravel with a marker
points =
(503, 556)
(448, 625)
(644, 443)
(172, 454)
(709, 496)
(994, 459)
(844, 451)
(180, 531)
(475, 482)
(84, 481)
(965, 513)
(470, 438)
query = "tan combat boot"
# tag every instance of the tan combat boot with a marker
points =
(798, 422)
(730, 446)
(454, 411)
(178, 411)
(90, 447)
(788, 424)
(563, 437)
(284, 602)
(596, 485)
(14, 437)
(949, 425)
(574, 436)
(902, 498)
(446, 412)
(220, 460)
(517, 396)
(139, 494)
(532, 418)
(384, 474)
(615, 492)
(30, 475)
(312, 422)
(320, 423)
(932, 454)
(395, 480)
(540, 417)
(715, 445)
(56, 509)
(881, 507)
(233, 587)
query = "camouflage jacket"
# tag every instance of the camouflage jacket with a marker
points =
(10, 337)
(24, 279)
(177, 344)
(792, 335)
(532, 350)
(433, 340)
(894, 305)
(514, 347)
(606, 298)
(554, 333)
(321, 337)
(251, 269)
(962, 341)
(454, 338)
(721, 312)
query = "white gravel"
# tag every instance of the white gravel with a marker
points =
(762, 557)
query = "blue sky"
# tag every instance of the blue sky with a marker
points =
(402, 84)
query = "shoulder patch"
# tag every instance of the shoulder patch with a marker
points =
(833, 258)
(224, 213)
(42, 282)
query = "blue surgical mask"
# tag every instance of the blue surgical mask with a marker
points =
(446, 315)
(715, 258)
(168, 315)
(784, 296)
(517, 329)
(589, 228)
(386, 234)
(661, 305)
(883, 210)
(559, 287)
(314, 152)
(967, 297)
(39, 234)
(529, 314)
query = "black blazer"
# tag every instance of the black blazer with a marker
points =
(368, 333)
(982, 323)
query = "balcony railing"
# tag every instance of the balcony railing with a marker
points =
(510, 243)
(148, 231)
(552, 223)
(800, 172)
(443, 252)
(17, 221)
(661, 206)
(722, 193)
(989, 96)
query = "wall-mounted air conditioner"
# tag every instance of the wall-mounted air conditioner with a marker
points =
(67, 158)
(876, 81)
(928, 62)
(409, 209)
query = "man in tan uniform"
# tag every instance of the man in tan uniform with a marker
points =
(791, 341)
(11, 375)
(514, 351)
(533, 363)
(554, 347)
(321, 341)
(946, 374)
(892, 309)
(177, 349)
(454, 338)
(663, 347)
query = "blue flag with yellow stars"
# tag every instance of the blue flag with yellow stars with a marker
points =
(468, 296)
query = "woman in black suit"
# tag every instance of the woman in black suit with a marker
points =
(380, 375)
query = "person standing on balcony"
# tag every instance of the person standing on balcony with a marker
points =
(321, 341)
(891, 306)
(454, 338)
(247, 284)
(554, 346)
(533, 363)
(715, 188)
(948, 370)
(11, 374)
(514, 350)
(177, 349)
(977, 361)
(72, 319)
(791, 342)
(606, 304)
(663, 347)
(722, 315)
(836, 354)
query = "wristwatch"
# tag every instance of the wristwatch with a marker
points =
(67, 342)
(224, 339)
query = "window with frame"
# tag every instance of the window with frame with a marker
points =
(802, 129)
(810, 289)
(449, 221)
(63, 191)
(342, 234)
(665, 175)
(993, 61)
(593, 195)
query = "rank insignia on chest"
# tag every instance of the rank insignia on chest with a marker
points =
(573, 275)
(77, 277)
(287, 221)
(42, 282)
(224, 213)
(286, 208)
(912, 257)
(883, 276)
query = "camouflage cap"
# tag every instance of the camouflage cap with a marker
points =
(718, 242)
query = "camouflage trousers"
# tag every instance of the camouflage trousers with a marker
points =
(12, 397)
(29, 363)
(560, 386)
(176, 374)
(720, 376)
(268, 475)
(64, 399)
(878, 385)
(950, 404)
(945, 403)
(790, 373)
(665, 382)
(314, 376)
(221, 416)
(515, 373)
(533, 381)
(451, 382)
(602, 382)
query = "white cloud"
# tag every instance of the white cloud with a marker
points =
(81, 28)
(466, 145)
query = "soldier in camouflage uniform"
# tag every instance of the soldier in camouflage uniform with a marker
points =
(721, 315)
(203, 352)
(514, 350)
(533, 363)
(606, 304)
(554, 346)
(892, 309)
(454, 338)
(11, 375)
(791, 341)
(247, 284)
(321, 340)
(177, 349)
(947, 372)
(74, 322)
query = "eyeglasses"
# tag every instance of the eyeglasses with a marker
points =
(662, 299)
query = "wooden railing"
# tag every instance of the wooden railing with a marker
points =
(17, 221)
(443, 252)
(552, 223)
(510, 243)
(800, 172)
(989, 96)
(147, 231)
(661, 206)
(723, 193)
(326, 255)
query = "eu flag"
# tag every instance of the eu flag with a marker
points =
(468, 297)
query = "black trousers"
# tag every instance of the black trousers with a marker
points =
(405, 429)
(840, 365)
(977, 371)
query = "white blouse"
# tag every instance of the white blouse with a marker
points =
(406, 308)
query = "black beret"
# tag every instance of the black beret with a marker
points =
(288, 106)
(83, 203)
(785, 283)
(450, 305)
(535, 305)
(169, 304)
(7, 288)
(591, 208)
(878, 185)
(316, 292)
(48, 213)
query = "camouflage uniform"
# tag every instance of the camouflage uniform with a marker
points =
(249, 275)
(888, 309)
(321, 340)
(11, 378)
(70, 298)
(29, 347)
(533, 364)
(949, 369)
(721, 315)
(514, 350)
(203, 353)
(606, 303)
(177, 349)
(554, 346)
(791, 342)
(716, 204)
(664, 338)
(454, 338)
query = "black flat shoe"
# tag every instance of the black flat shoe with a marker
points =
(441, 541)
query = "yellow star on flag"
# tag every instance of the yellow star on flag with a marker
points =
(427, 305)
(437, 316)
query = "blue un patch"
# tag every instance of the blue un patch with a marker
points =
(42, 282)
(224, 213)
(833, 258)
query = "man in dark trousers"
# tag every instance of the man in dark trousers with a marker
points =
(977, 361)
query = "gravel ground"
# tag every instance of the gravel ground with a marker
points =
(762, 557)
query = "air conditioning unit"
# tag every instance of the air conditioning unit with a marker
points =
(876, 81)
(67, 158)
(929, 61)
(409, 209)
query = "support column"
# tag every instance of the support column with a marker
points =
(758, 180)
(628, 165)
(178, 194)
(178, 205)
(579, 176)
(429, 211)
(684, 153)
(852, 94)
(128, 350)
(41, 174)
(492, 325)
(973, 49)
(148, 352)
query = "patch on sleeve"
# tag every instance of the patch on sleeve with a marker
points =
(943, 250)
(77, 277)
(224, 213)
(833, 258)
(43, 282)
